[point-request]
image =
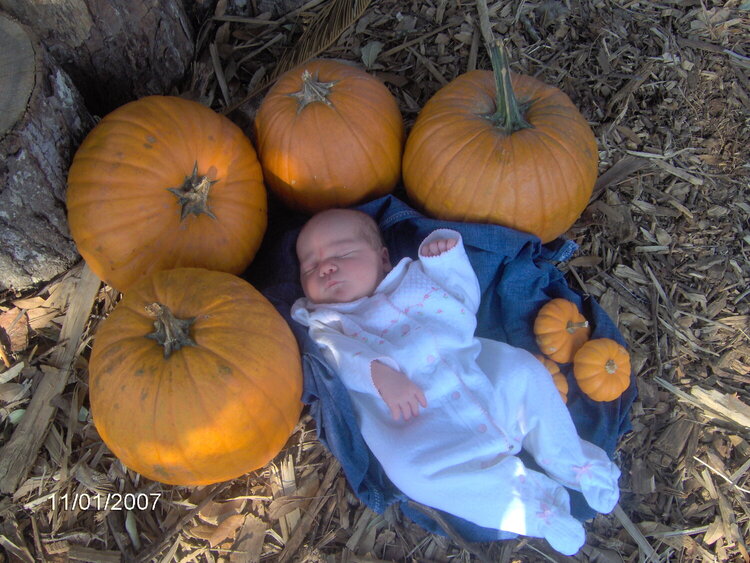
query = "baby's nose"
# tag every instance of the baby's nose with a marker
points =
(327, 268)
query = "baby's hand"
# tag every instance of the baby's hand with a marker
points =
(438, 246)
(400, 393)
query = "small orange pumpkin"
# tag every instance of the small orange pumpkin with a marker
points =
(329, 135)
(557, 376)
(560, 330)
(164, 182)
(602, 369)
(195, 378)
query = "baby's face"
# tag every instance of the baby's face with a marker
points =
(338, 263)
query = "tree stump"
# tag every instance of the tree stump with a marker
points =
(114, 50)
(42, 121)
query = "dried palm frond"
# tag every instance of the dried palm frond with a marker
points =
(322, 32)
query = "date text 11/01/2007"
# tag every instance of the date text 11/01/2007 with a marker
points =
(108, 501)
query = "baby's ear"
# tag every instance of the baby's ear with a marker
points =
(386, 259)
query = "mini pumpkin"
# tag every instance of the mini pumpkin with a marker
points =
(558, 377)
(329, 135)
(195, 378)
(164, 182)
(560, 330)
(602, 369)
(498, 147)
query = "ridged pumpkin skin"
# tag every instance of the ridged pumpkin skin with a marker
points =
(459, 166)
(211, 411)
(335, 152)
(558, 377)
(560, 330)
(602, 369)
(122, 216)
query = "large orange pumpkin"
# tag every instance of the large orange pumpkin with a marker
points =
(602, 369)
(329, 135)
(484, 151)
(164, 182)
(194, 378)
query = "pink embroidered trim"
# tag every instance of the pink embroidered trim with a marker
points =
(545, 512)
(582, 470)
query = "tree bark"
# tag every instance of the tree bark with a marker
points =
(114, 50)
(42, 121)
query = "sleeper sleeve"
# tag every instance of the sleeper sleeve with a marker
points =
(452, 269)
(349, 357)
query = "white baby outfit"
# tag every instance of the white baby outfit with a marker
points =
(485, 401)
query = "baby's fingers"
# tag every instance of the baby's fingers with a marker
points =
(445, 244)
(395, 409)
(414, 404)
(437, 247)
(427, 249)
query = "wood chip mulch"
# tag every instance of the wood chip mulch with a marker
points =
(664, 247)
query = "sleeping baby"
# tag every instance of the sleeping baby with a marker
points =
(443, 411)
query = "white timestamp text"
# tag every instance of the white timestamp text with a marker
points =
(108, 501)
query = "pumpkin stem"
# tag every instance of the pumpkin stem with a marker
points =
(193, 194)
(312, 91)
(171, 333)
(610, 366)
(508, 114)
(571, 327)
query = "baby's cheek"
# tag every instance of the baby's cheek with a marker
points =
(308, 288)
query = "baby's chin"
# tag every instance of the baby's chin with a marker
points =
(342, 297)
(339, 294)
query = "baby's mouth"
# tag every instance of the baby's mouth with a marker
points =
(331, 283)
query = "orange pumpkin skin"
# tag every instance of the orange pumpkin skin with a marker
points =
(122, 216)
(560, 330)
(331, 153)
(558, 377)
(602, 369)
(459, 166)
(211, 411)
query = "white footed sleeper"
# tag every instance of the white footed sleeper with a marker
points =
(485, 401)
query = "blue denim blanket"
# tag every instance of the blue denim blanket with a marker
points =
(517, 275)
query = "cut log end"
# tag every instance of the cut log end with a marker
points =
(42, 121)
(17, 66)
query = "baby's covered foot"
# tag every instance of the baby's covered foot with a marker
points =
(599, 484)
(563, 532)
(566, 535)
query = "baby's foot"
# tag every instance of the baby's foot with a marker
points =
(599, 485)
(563, 532)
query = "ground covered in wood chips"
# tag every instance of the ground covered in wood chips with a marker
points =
(664, 247)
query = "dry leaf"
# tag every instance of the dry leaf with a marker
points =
(284, 505)
(12, 372)
(11, 392)
(600, 555)
(227, 529)
(249, 544)
(370, 53)
(14, 330)
(585, 261)
(202, 531)
(217, 534)
(215, 512)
